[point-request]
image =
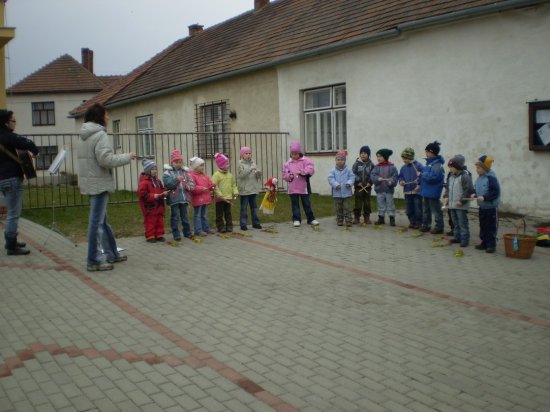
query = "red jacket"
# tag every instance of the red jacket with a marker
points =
(200, 196)
(148, 187)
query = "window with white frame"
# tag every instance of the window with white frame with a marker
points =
(325, 119)
(43, 113)
(212, 126)
(117, 144)
(145, 139)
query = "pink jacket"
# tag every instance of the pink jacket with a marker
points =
(199, 196)
(294, 172)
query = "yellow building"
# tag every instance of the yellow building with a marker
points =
(6, 34)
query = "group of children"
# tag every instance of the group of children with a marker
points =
(423, 186)
(181, 186)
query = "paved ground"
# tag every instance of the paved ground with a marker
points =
(328, 320)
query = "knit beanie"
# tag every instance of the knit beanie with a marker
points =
(195, 162)
(245, 150)
(385, 153)
(341, 154)
(365, 149)
(408, 153)
(457, 162)
(175, 155)
(434, 147)
(148, 165)
(295, 147)
(486, 162)
(221, 161)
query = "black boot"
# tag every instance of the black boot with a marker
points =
(380, 221)
(12, 249)
(392, 220)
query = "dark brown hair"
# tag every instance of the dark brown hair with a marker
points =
(96, 114)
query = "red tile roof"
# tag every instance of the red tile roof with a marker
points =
(280, 31)
(63, 75)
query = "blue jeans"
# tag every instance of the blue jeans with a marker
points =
(248, 200)
(12, 189)
(306, 204)
(461, 229)
(432, 207)
(414, 209)
(179, 211)
(200, 222)
(100, 233)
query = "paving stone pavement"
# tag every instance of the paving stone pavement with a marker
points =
(295, 319)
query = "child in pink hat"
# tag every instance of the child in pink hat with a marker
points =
(297, 171)
(179, 182)
(224, 193)
(248, 183)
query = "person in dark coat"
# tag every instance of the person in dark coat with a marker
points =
(11, 179)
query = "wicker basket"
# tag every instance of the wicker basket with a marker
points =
(522, 248)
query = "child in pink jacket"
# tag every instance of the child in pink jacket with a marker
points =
(200, 196)
(297, 171)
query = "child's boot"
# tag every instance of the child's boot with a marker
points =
(366, 220)
(380, 221)
(392, 220)
(356, 220)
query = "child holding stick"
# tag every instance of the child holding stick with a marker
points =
(409, 179)
(384, 176)
(224, 193)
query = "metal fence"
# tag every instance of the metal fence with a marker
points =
(269, 151)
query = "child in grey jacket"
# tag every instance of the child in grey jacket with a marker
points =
(341, 180)
(456, 198)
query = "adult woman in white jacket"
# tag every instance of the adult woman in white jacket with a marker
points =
(95, 179)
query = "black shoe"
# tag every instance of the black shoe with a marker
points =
(152, 240)
(178, 239)
(222, 230)
(450, 233)
(455, 241)
(424, 229)
(160, 239)
(490, 250)
(380, 221)
(257, 226)
(436, 231)
(481, 246)
(463, 244)
(392, 221)
(18, 251)
(244, 228)
(229, 229)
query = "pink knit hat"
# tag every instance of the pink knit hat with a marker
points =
(245, 150)
(221, 161)
(296, 147)
(175, 155)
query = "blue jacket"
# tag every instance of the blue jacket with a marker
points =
(487, 186)
(179, 191)
(341, 181)
(433, 177)
(385, 170)
(409, 173)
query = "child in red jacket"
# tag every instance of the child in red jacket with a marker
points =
(151, 195)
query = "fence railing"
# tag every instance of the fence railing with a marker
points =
(269, 151)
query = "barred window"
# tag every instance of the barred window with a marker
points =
(43, 114)
(325, 119)
(145, 139)
(212, 126)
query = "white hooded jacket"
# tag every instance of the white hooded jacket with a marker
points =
(96, 160)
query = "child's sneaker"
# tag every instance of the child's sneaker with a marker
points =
(100, 267)
(296, 223)
(314, 223)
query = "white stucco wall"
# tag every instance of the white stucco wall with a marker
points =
(21, 105)
(465, 84)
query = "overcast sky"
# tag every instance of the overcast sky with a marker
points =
(122, 33)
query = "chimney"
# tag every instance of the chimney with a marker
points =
(88, 59)
(259, 4)
(194, 29)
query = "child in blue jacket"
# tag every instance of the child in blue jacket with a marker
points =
(384, 177)
(409, 179)
(341, 179)
(431, 186)
(487, 191)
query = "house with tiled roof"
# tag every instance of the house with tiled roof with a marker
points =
(338, 75)
(43, 100)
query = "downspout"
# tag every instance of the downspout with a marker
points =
(388, 34)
